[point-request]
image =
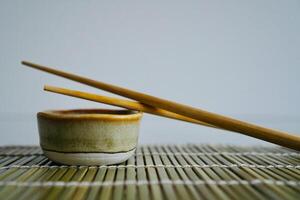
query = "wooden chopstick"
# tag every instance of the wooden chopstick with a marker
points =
(270, 135)
(131, 105)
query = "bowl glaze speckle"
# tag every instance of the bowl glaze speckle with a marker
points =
(89, 136)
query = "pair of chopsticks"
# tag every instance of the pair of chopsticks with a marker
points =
(154, 105)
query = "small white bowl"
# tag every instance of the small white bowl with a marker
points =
(89, 136)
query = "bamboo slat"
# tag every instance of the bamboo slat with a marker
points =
(156, 172)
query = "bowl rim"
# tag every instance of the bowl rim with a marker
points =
(91, 114)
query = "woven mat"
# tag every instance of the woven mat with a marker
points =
(156, 172)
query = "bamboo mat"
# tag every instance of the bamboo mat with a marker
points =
(156, 172)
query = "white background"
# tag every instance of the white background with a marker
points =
(237, 58)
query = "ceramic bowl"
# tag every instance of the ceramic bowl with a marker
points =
(89, 136)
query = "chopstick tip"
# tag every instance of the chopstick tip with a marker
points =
(46, 87)
(24, 62)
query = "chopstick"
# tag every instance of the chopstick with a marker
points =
(131, 105)
(270, 135)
